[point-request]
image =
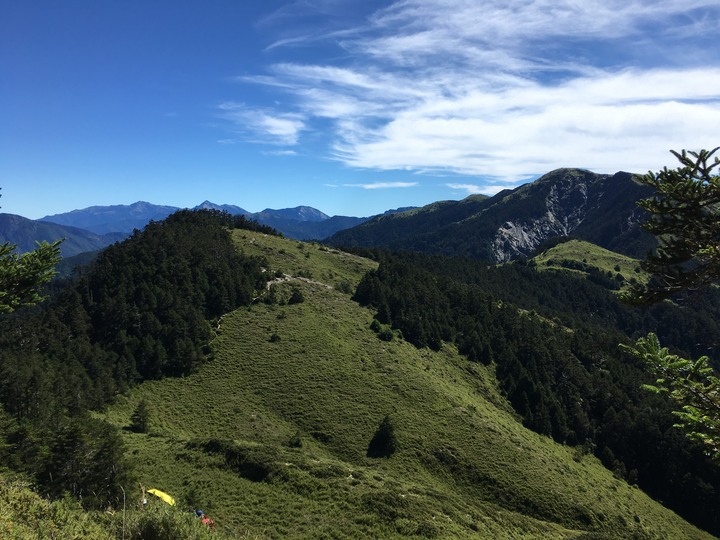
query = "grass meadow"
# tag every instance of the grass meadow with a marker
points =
(270, 437)
(591, 255)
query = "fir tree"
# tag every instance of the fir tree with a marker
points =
(383, 443)
(140, 418)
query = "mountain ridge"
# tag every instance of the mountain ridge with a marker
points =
(599, 208)
(25, 232)
(300, 222)
(270, 430)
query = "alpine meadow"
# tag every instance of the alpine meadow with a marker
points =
(208, 377)
(360, 270)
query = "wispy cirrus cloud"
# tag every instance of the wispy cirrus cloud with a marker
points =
(383, 185)
(505, 91)
(275, 128)
(475, 189)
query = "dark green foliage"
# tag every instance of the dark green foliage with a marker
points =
(85, 458)
(140, 311)
(386, 334)
(296, 297)
(150, 297)
(256, 463)
(344, 287)
(22, 276)
(384, 443)
(684, 216)
(295, 441)
(562, 382)
(383, 331)
(139, 421)
(685, 219)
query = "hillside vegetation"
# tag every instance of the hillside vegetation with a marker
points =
(271, 437)
(598, 208)
(583, 257)
(291, 390)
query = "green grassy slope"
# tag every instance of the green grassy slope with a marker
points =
(465, 467)
(587, 253)
(24, 514)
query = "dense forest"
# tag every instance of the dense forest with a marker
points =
(142, 310)
(554, 340)
(146, 308)
(597, 208)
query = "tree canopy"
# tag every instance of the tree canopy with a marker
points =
(22, 276)
(144, 308)
(691, 384)
(684, 215)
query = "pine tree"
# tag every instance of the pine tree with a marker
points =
(383, 443)
(139, 421)
(685, 217)
(23, 275)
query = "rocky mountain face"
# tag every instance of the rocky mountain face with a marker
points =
(595, 207)
(599, 208)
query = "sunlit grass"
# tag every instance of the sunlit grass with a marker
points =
(465, 467)
(591, 255)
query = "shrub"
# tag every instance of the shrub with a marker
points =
(383, 443)
(344, 287)
(163, 523)
(296, 297)
(295, 441)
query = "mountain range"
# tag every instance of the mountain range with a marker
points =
(255, 377)
(94, 228)
(294, 390)
(25, 232)
(300, 223)
(598, 208)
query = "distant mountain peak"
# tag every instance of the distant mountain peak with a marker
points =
(599, 208)
(301, 222)
(122, 218)
(299, 213)
(229, 208)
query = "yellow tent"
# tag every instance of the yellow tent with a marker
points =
(162, 495)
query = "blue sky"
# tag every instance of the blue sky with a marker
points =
(347, 106)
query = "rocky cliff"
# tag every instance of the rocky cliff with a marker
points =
(599, 208)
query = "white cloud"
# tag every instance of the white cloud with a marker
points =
(282, 153)
(470, 189)
(507, 90)
(278, 128)
(474, 189)
(383, 185)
